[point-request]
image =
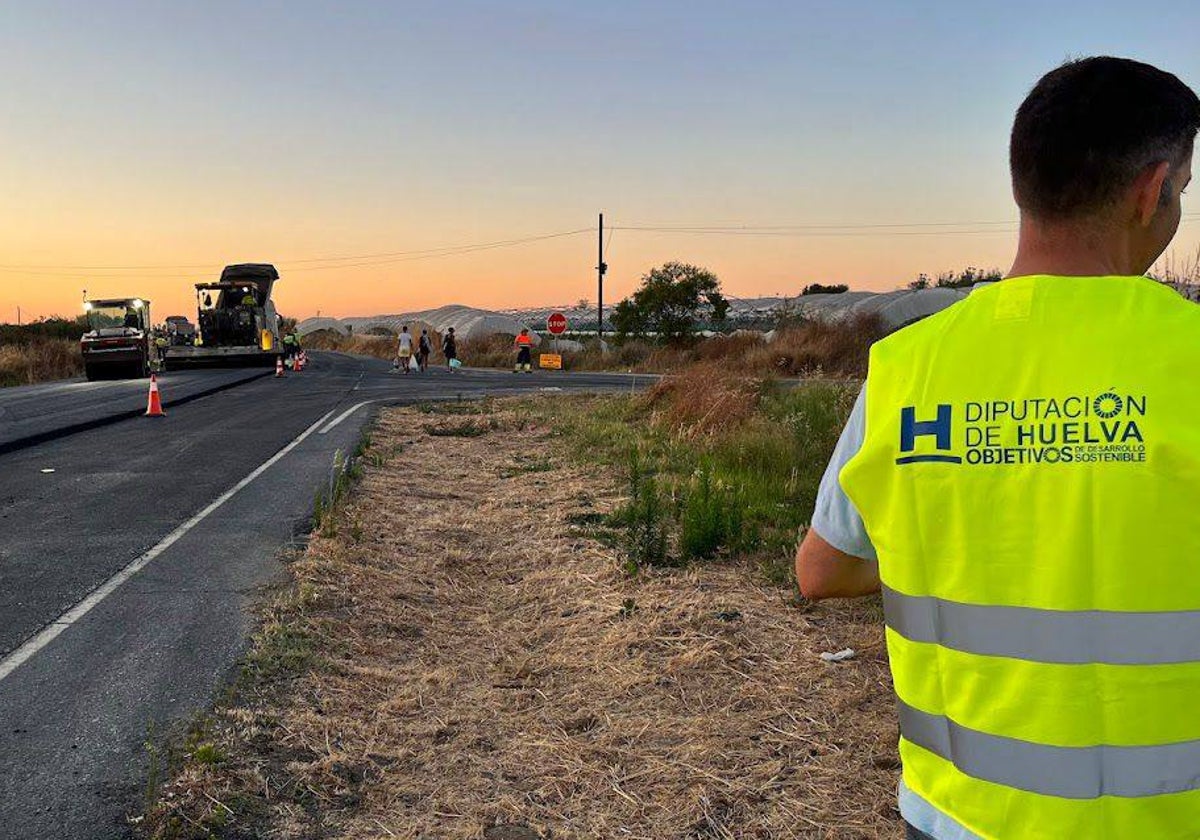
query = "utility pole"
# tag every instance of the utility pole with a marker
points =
(601, 268)
(18, 316)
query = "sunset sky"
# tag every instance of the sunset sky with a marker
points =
(145, 145)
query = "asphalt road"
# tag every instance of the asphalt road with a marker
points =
(127, 567)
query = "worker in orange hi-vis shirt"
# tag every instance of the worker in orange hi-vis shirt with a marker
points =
(524, 344)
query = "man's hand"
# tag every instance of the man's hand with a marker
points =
(826, 572)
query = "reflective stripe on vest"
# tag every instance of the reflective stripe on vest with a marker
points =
(1069, 772)
(1028, 476)
(1069, 637)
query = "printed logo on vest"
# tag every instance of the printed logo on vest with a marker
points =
(1104, 428)
(940, 428)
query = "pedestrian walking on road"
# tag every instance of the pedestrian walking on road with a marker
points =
(524, 345)
(424, 348)
(404, 348)
(450, 349)
(1019, 477)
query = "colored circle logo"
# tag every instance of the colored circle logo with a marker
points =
(1107, 405)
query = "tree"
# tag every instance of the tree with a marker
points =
(673, 300)
(967, 277)
(820, 289)
(964, 279)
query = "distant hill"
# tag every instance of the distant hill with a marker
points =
(468, 322)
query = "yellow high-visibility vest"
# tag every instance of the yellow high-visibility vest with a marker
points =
(1030, 478)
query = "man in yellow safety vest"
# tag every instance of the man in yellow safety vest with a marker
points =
(1021, 475)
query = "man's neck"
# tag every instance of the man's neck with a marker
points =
(1069, 249)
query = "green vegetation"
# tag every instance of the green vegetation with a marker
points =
(715, 466)
(643, 519)
(821, 289)
(46, 329)
(673, 301)
(711, 519)
(964, 279)
(343, 474)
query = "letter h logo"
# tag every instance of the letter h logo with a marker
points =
(911, 429)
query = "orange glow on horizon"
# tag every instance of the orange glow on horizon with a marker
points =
(553, 272)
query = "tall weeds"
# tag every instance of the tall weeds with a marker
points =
(644, 519)
(40, 360)
(723, 476)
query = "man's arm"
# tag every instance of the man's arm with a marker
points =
(827, 572)
(836, 558)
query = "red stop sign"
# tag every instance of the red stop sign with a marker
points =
(556, 324)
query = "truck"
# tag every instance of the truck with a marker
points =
(179, 331)
(236, 321)
(118, 343)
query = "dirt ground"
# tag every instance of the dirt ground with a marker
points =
(464, 656)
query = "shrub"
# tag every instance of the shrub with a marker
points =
(644, 519)
(711, 519)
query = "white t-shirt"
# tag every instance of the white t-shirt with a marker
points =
(405, 342)
(835, 517)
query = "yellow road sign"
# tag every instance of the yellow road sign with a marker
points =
(550, 361)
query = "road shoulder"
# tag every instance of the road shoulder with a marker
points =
(463, 654)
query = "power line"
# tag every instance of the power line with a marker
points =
(889, 229)
(439, 252)
(799, 234)
(737, 227)
(300, 265)
(181, 271)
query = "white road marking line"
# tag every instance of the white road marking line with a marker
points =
(49, 633)
(344, 415)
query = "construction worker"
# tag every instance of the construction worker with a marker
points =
(524, 345)
(1020, 477)
(291, 346)
(248, 299)
(161, 345)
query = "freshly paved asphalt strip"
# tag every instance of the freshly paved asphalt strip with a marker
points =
(37, 413)
(125, 592)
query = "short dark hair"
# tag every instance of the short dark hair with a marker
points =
(1089, 127)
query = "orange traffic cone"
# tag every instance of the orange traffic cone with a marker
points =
(299, 361)
(278, 366)
(154, 403)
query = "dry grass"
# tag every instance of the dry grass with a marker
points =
(483, 663)
(377, 346)
(703, 399)
(41, 360)
(811, 347)
(801, 348)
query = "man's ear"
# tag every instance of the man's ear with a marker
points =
(1150, 188)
